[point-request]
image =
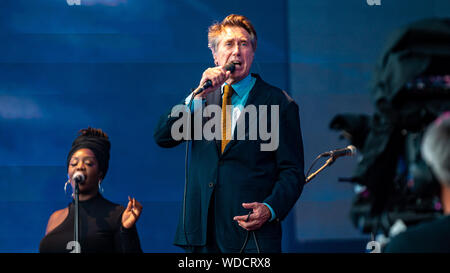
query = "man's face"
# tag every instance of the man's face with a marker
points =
(235, 46)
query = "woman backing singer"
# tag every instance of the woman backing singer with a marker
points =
(104, 226)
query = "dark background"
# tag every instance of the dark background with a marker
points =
(118, 65)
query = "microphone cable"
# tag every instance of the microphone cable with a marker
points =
(186, 172)
(246, 238)
(246, 241)
(207, 84)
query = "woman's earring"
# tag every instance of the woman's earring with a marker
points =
(100, 188)
(65, 186)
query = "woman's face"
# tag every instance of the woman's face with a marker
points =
(84, 161)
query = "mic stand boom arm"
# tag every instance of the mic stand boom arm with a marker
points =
(327, 163)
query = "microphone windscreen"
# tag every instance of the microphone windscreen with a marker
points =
(352, 149)
(230, 67)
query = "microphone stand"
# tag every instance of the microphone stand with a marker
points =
(327, 163)
(76, 229)
(350, 150)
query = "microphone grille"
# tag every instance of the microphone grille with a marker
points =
(78, 177)
(230, 67)
(352, 149)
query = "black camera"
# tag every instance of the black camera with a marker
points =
(410, 88)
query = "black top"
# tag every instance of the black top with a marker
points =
(101, 230)
(431, 237)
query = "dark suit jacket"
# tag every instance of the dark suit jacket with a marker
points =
(242, 174)
(429, 237)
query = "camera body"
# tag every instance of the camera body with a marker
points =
(410, 88)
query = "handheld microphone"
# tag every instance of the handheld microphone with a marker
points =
(350, 150)
(78, 177)
(228, 67)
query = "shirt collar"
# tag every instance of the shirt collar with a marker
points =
(241, 87)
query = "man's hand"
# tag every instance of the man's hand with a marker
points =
(259, 215)
(217, 75)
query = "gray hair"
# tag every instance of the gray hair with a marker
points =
(436, 148)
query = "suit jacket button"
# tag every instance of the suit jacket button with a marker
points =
(211, 184)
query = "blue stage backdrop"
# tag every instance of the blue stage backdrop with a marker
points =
(120, 64)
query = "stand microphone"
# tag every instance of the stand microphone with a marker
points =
(78, 177)
(348, 151)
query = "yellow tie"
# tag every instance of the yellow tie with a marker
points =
(226, 117)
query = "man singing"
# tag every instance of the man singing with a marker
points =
(237, 193)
